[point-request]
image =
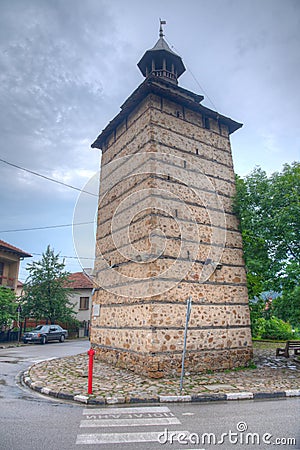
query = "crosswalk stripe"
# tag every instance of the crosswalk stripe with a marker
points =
(119, 438)
(137, 416)
(137, 422)
(124, 410)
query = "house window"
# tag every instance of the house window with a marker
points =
(84, 303)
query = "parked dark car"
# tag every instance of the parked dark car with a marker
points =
(45, 333)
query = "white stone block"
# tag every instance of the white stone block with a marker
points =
(239, 395)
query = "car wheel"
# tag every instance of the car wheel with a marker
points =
(62, 338)
(25, 341)
(43, 340)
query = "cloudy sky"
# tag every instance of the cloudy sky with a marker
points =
(66, 66)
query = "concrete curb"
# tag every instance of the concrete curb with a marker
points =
(200, 398)
(12, 345)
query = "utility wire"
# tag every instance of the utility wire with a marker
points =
(48, 178)
(194, 78)
(46, 228)
(67, 257)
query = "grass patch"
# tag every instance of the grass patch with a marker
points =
(267, 345)
(251, 366)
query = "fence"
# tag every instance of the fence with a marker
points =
(9, 336)
(74, 331)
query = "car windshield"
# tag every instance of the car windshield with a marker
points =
(40, 328)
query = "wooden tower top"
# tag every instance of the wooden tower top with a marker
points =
(161, 61)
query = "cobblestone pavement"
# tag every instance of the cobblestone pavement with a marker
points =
(68, 377)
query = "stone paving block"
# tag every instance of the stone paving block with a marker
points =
(239, 395)
(97, 401)
(45, 391)
(262, 395)
(292, 393)
(209, 397)
(114, 400)
(142, 399)
(27, 380)
(81, 398)
(174, 398)
(65, 395)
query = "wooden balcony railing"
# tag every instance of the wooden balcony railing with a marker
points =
(164, 74)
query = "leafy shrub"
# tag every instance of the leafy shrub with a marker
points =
(256, 316)
(258, 327)
(275, 328)
(287, 306)
(7, 307)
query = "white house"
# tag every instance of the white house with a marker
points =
(81, 297)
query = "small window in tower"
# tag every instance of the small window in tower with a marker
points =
(178, 114)
(84, 303)
(206, 123)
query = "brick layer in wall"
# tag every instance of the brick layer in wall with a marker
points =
(157, 366)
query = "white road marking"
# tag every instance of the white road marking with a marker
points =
(36, 361)
(139, 416)
(130, 422)
(119, 438)
(124, 410)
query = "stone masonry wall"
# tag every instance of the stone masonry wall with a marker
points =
(158, 235)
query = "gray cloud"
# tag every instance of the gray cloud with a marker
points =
(67, 65)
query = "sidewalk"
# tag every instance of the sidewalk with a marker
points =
(11, 344)
(66, 378)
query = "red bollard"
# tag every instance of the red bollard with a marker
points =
(91, 353)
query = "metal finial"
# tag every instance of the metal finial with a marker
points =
(161, 32)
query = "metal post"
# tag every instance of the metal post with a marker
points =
(91, 353)
(19, 310)
(188, 313)
(19, 327)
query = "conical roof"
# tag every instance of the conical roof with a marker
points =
(161, 61)
(162, 45)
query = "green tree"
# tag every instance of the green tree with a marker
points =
(46, 291)
(7, 306)
(287, 306)
(283, 211)
(269, 213)
(256, 315)
(249, 205)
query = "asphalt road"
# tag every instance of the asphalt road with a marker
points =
(29, 421)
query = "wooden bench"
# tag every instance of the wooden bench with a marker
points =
(290, 345)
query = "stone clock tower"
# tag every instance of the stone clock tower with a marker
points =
(166, 231)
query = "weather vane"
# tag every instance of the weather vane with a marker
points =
(161, 32)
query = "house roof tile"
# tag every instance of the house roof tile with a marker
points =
(11, 248)
(79, 280)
